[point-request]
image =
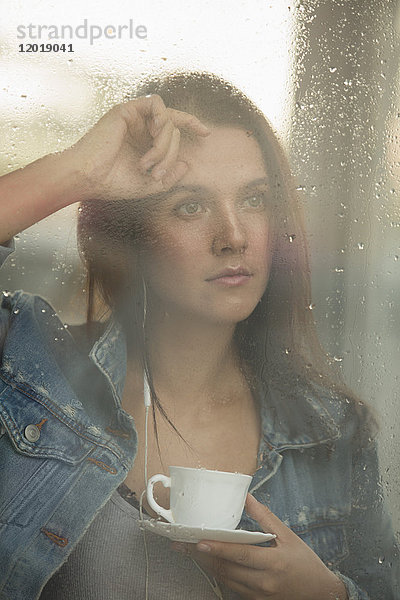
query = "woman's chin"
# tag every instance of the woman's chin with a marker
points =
(232, 315)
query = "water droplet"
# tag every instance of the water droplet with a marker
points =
(16, 311)
(338, 358)
(381, 559)
(292, 237)
(333, 69)
(43, 310)
(311, 306)
(338, 270)
(360, 245)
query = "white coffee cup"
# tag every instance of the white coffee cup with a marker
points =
(202, 498)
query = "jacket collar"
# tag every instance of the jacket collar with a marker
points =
(109, 355)
(40, 356)
(307, 416)
(41, 352)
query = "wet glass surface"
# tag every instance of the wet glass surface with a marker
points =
(326, 76)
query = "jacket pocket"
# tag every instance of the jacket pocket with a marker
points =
(23, 477)
(40, 457)
(36, 431)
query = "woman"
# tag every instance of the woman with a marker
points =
(197, 276)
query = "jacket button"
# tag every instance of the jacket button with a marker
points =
(32, 433)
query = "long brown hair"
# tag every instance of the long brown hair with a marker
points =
(278, 341)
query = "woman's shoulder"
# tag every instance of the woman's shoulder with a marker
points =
(356, 420)
(301, 410)
(24, 315)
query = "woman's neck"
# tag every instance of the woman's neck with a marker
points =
(192, 358)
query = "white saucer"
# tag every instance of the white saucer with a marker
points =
(182, 533)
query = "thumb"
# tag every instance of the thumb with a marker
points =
(269, 522)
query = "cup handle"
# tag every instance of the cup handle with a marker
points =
(166, 481)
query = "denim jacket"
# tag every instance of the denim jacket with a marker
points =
(66, 444)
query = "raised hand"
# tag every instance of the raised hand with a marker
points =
(289, 570)
(111, 162)
(117, 154)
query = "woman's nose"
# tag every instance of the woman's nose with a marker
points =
(229, 235)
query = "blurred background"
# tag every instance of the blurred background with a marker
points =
(326, 75)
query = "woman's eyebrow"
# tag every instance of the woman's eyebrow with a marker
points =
(197, 189)
(200, 188)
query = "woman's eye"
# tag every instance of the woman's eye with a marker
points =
(190, 208)
(256, 201)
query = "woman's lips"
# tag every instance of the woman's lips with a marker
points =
(232, 276)
(231, 280)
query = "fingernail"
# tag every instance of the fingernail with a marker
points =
(203, 547)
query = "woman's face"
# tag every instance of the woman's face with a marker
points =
(208, 249)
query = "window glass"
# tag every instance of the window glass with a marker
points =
(325, 75)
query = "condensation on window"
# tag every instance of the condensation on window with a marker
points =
(345, 148)
(324, 73)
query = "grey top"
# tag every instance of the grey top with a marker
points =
(109, 563)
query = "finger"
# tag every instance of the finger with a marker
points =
(229, 573)
(206, 563)
(166, 142)
(185, 120)
(171, 155)
(160, 146)
(269, 522)
(150, 109)
(253, 557)
(154, 109)
(174, 174)
(241, 589)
